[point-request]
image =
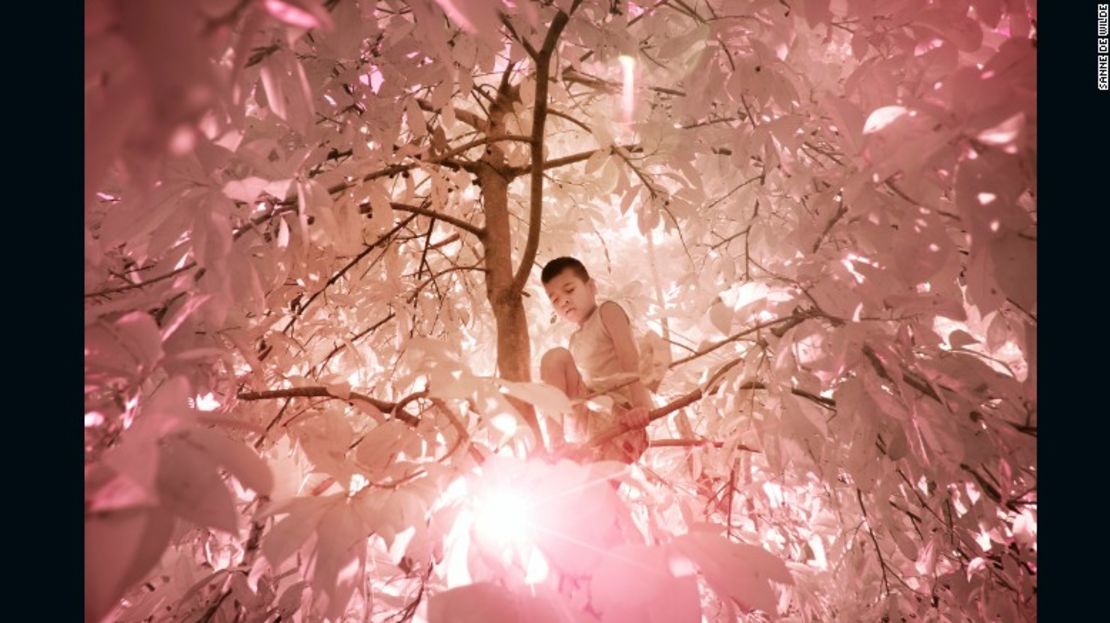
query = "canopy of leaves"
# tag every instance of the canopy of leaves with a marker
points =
(313, 311)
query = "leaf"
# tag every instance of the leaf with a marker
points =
(882, 117)
(1015, 268)
(859, 45)
(921, 248)
(192, 489)
(927, 559)
(849, 119)
(289, 534)
(737, 571)
(339, 530)
(960, 338)
(290, 601)
(182, 313)
(250, 469)
(542, 395)
(634, 583)
(485, 602)
(129, 347)
(721, 315)
(121, 547)
(988, 11)
(474, 16)
(249, 189)
(287, 91)
(415, 119)
(1005, 133)
(817, 12)
(380, 447)
(594, 162)
(1025, 528)
(306, 14)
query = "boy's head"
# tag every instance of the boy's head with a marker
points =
(569, 288)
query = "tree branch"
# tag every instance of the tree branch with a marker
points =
(790, 322)
(539, 120)
(323, 392)
(461, 114)
(693, 443)
(480, 232)
(521, 40)
(867, 521)
(301, 308)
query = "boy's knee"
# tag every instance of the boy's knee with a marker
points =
(556, 357)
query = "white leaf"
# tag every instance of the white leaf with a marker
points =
(542, 395)
(594, 162)
(340, 548)
(249, 189)
(927, 559)
(883, 117)
(289, 534)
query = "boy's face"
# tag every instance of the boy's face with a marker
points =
(573, 298)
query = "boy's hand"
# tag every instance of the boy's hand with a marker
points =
(636, 417)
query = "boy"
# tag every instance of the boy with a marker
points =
(602, 357)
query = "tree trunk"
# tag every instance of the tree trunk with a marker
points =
(513, 348)
(514, 351)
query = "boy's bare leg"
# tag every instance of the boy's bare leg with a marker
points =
(557, 368)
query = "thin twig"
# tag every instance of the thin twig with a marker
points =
(867, 521)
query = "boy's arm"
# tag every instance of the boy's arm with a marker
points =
(617, 325)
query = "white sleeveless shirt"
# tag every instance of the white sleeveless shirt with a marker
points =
(596, 358)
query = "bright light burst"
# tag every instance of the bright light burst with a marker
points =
(502, 515)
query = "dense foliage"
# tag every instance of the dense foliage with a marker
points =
(313, 310)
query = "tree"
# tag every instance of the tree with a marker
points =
(312, 314)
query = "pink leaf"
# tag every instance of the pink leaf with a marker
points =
(634, 583)
(721, 316)
(1015, 268)
(181, 313)
(475, 16)
(817, 12)
(190, 486)
(735, 570)
(488, 603)
(340, 551)
(960, 338)
(381, 445)
(121, 547)
(988, 11)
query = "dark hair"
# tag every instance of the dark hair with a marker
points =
(556, 266)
